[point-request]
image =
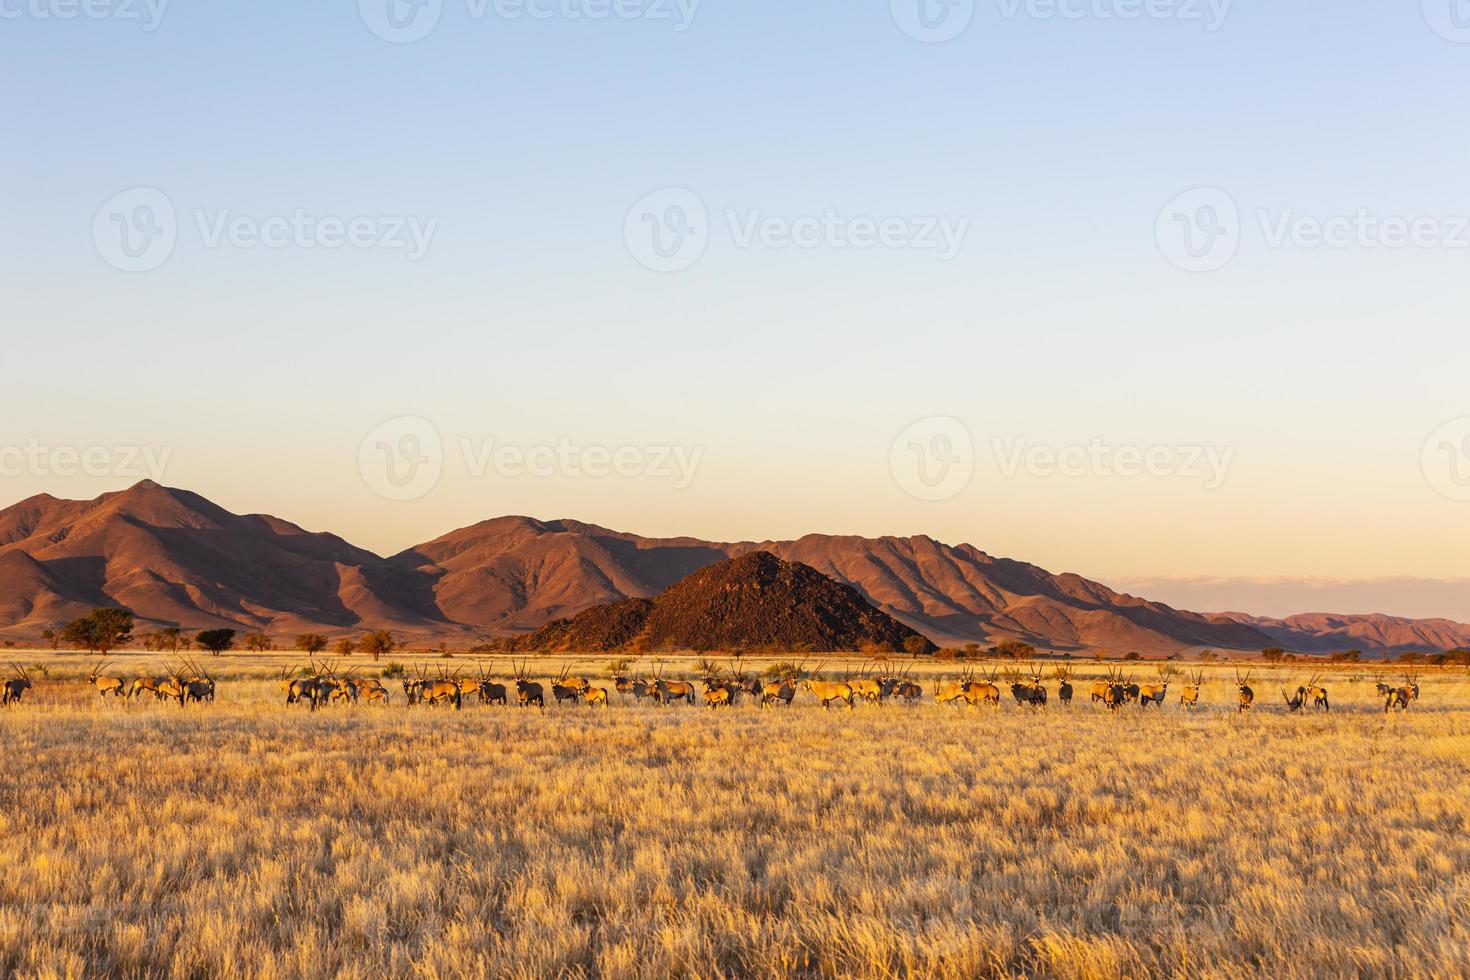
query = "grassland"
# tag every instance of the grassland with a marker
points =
(249, 839)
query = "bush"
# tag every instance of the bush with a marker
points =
(1273, 655)
(1133, 655)
(394, 669)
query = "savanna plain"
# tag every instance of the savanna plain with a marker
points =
(251, 839)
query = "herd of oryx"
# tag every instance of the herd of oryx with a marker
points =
(722, 686)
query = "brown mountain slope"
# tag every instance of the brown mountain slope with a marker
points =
(172, 557)
(515, 574)
(756, 600)
(1325, 632)
(535, 571)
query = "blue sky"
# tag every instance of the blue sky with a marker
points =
(529, 321)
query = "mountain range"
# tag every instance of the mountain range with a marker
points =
(175, 558)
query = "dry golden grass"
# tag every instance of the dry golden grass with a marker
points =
(248, 839)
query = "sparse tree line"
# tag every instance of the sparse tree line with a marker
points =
(107, 629)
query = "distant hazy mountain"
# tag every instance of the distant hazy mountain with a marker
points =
(175, 558)
(1324, 632)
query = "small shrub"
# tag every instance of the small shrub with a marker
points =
(394, 669)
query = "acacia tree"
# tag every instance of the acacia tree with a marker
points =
(51, 638)
(173, 638)
(345, 647)
(215, 641)
(257, 642)
(916, 645)
(100, 632)
(378, 643)
(311, 643)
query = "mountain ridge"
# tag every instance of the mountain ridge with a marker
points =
(176, 558)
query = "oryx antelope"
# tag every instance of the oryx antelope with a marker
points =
(489, 691)
(1402, 697)
(106, 685)
(1153, 694)
(565, 688)
(781, 688)
(977, 692)
(528, 692)
(829, 692)
(1116, 694)
(13, 690)
(953, 692)
(667, 692)
(172, 688)
(1316, 692)
(1032, 694)
(1246, 697)
(198, 685)
(1064, 684)
(1294, 702)
(445, 690)
(1189, 698)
